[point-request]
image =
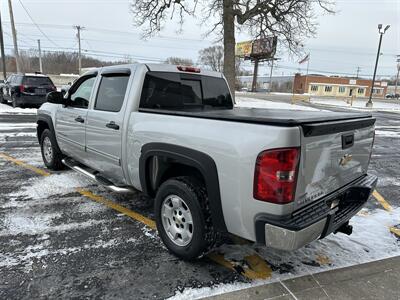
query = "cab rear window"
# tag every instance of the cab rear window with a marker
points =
(37, 81)
(177, 91)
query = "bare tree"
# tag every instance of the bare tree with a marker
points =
(179, 61)
(290, 20)
(212, 57)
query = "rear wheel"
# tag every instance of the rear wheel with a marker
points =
(183, 218)
(51, 155)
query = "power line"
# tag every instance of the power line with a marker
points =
(37, 26)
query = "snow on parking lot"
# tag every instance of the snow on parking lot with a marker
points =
(55, 184)
(252, 102)
(7, 109)
(359, 104)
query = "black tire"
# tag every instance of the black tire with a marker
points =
(13, 101)
(54, 161)
(2, 100)
(195, 197)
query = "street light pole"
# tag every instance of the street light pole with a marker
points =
(381, 33)
(397, 77)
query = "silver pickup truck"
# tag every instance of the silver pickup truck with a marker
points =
(281, 178)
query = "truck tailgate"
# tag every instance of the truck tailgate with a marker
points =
(333, 155)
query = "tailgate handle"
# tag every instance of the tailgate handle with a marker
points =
(347, 140)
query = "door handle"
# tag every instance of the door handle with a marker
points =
(80, 119)
(112, 125)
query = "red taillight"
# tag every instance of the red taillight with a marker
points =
(188, 69)
(22, 88)
(275, 175)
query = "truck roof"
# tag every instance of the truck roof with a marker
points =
(161, 68)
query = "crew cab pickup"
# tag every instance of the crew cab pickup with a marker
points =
(281, 178)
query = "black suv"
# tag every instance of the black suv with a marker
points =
(26, 89)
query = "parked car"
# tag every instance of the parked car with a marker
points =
(26, 89)
(392, 96)
(276, 177)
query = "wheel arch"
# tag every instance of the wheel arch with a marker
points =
(45, 122)
(160, 161)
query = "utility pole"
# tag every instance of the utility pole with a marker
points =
(381, 33)
(397, 77)
(358, 72)
(14, 34)
(40, 57)
(3, 56)
(270, 74)
(78, 35)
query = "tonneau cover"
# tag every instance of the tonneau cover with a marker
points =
(276, 117)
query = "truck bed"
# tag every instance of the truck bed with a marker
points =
(313, 122)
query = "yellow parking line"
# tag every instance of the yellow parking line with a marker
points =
(258, 267)
(382, 201)
(395, 231)
(130, 213)
(22, 164)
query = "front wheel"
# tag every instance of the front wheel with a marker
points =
(2, 100)
(51, 155)
(14, 101)
(183, 218)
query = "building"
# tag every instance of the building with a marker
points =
(334, 86)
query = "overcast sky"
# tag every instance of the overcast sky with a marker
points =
(344, 41)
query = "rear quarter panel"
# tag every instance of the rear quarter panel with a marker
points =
(234, 148)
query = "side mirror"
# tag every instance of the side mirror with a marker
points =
(56, 98)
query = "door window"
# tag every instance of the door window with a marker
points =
(80, 96)
(111, 94)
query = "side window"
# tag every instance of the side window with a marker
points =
(111, 94)
(18, 79)
(81, 95)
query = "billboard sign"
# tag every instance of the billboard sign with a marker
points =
(243, 49)
(265, 48)
(262, 48)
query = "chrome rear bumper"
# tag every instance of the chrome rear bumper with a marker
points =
(316, 220)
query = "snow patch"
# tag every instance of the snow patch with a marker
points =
(6, 109)
(149, 232)
(54, 184)
(358, 104)
(12, 126)
(387, 181)
(386, 133)
(251, 102)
